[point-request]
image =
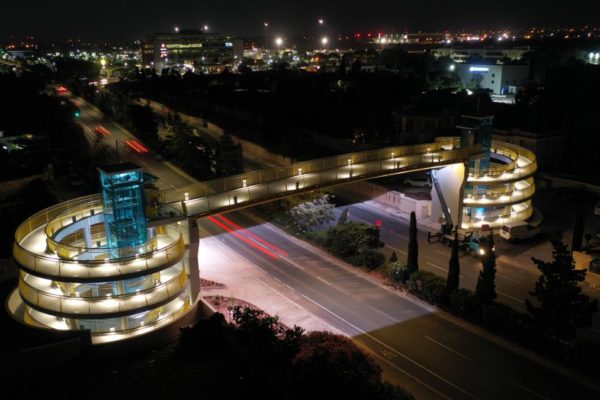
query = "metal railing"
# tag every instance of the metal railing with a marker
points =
(107, 269)
(491, 197)
(264, 185)
(109, 304)
(513, 152)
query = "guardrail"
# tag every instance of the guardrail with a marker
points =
(108, 269)
(260, 186)
(100, 305)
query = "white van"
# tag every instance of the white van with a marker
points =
(518, 230)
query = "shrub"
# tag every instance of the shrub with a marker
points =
(370, 258)
(399, 272)
(464, 304)
(427, 286)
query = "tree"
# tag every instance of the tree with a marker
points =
(352, 238)
(562, 308)
(308, 215)
(485, 290)
(335, 365)
(412, 258)
(343, 216)
(452, 282)
(228, 157)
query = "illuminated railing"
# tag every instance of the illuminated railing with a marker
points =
(100, 305)
(507, 172)
(514, 196)
(265, 185)
(109, 269)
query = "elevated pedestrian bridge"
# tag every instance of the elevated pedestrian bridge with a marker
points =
(70, 280)
(256, 187)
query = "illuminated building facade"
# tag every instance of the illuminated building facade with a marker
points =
(190, 49)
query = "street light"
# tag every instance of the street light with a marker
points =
(324, 41)
(321, 21)
(266, 24)
(205, 28)
(279, 41)
(177, 29)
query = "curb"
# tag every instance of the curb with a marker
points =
(474, 329)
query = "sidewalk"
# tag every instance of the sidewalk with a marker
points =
(245, 281)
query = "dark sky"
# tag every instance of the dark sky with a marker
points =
(130, 19)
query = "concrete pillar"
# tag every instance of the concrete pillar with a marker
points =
(87, 233)
(193, 247)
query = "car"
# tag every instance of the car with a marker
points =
(419, 181)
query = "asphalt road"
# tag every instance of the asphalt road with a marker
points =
(514, 280)
(425, 352)
(115, 144)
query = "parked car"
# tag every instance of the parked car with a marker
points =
(418, 181)
(513, 231)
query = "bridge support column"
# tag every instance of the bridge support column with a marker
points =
(193, 247)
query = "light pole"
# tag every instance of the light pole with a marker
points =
(266, 24)
(324, 41)
(278, 41)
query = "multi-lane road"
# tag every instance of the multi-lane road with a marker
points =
(418, 347)
(433, 355)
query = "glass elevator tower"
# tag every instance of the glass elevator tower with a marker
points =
(124, 208)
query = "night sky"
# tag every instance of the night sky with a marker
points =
(131, 19)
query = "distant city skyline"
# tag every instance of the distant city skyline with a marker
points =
(58, 21)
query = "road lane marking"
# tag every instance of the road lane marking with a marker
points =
(277, 279)
(436, 266)
(289, 260)
(533, 392)
(449, 349)
(391, 348)
(399, 235)
(398, 250)
(289, 287)
(444, 253)
(509, 278)
(510, 297)
(403, 371)
(323, 280)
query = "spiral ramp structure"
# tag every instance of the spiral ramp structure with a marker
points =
(69, 280)
(502, 192)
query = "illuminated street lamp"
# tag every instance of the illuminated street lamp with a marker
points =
(103, 62)
(266, 24)
(321, 21)
(177, 29)
(205, 28)
(279, 41)
(324, 41)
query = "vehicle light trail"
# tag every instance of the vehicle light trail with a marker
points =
(245, 239)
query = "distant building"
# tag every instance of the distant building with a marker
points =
(191, 49)
(463, 55)
(548, 146)
(500, 79)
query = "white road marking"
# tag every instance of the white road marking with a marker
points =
(436, 266)
(511, 297)
(533, 392)
(449, 349)
(400, 236)
(444, 253)
(289, 287)
(398, 250)
(323, 280)
(391, 348)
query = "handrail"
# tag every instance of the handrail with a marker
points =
(52, 302)
(516, 196)
(215, 186)
(100, 269)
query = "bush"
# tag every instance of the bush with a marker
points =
(427, 286)
(399, 272)
(370, 258)
(464, 304)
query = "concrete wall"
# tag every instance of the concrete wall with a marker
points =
(451, 180)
